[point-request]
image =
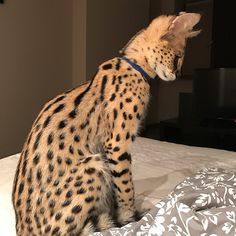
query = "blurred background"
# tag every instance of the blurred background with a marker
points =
(47, 47)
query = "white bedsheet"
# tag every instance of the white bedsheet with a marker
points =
(157, 168)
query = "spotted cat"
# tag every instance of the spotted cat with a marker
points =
(74, 175)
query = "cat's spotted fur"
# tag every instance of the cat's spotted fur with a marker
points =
(74, 175)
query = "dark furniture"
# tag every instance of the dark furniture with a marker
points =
(214, 135)
(207, 117)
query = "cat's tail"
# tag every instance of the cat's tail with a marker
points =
(100, 223)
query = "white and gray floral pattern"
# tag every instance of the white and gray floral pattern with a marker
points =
(202, 205)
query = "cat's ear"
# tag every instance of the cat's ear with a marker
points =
(182, 25)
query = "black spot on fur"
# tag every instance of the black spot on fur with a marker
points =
(39, 174)
(18, 203)
(117, 88)
(71, 149)
(28, 220)
(48, 195)
(50, 168)
(69, 219)
(89, 199)
(62, 124)
(59, 99)
(80, 152)
(76, 209)
(115, 113)
(119, 174)
(72, 129)
(50, 155)
(39, 201)
(62, 136)
(54, 102)
(118, 64)
(71, 228)
(69, 179)
(117, 137)
(61, 145)
(90, 171)
(116, 149)
(56, 231)
(135, 109)
(36, 159)
(73, 114)
(78, 183)
(123, 125)
(58, 192)
(118, 188)
(79, 98)
(91, 188)
(81, 191)
(67, 202)
(46, 122)
(49, 179)
(21, 187)
(107, 66)
(47, 229)
(50, 138)
(112, 98)
(51, 203)
(56, 182)
(90, 181)
(59, 160)
(125, 156)
(61, 173)
(84, 124)
(59, 108)
(37, 140)
(77, 138)
(125, 115)
(138, 116)
(24, 168)
(111, 161)
(104, 81)
(87, 160)
(68, 161)
(128, 100)
(69, 194)
(58, 216)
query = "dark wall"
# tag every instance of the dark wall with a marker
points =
(110, 25)
(223, 34)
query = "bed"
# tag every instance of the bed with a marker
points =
(157, 168)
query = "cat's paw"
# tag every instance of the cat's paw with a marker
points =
(125, 216)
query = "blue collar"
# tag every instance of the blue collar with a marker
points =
(138, 68)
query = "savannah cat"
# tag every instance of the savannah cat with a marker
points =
(74, 174)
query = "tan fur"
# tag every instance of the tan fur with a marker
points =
(74, 175)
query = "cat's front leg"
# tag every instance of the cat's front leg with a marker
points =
(120, 166)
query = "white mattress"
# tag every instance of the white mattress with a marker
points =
(157, 168)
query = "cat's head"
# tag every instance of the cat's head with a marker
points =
(162, 44)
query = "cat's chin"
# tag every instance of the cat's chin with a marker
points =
(165, 75)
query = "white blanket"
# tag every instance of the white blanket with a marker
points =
(157, 168)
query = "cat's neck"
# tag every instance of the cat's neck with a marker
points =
(142, 61)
